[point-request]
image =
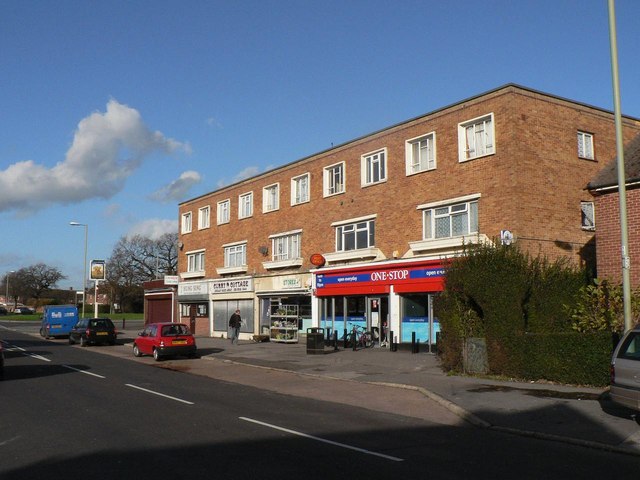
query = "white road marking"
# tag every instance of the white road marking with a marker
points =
(350, 447)
(12, 348)
(159, 394)
(83, 371)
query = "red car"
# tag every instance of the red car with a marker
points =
(165, 340)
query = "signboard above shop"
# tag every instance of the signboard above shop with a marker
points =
(426, 276)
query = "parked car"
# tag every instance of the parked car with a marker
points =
(93, 331)
(165, 340)
(24, 311)
(3, 310)
(625, 370)
(1, 362)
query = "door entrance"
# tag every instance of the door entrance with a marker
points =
(377, 313)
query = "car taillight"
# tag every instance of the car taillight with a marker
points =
(612, 374)
(87, 332)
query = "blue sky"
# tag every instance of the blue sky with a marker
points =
(111, 113)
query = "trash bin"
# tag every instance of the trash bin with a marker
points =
(315, 341)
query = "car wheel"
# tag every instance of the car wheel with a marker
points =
(71, 342)
(83, 341)
(156, 355)
(136, 351)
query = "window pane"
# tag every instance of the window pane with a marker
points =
(442, 227)
(459, 224)
(473, 217)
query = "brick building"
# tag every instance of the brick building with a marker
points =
(380, 213)
(604, 187)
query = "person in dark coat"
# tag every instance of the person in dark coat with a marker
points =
(234, 323)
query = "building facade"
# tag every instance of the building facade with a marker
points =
(359, 234)
(604, 187)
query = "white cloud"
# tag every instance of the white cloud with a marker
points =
(177, 189)
(106, 149)
(153, 228)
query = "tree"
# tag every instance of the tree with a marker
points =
(136, 260)
(34, 281)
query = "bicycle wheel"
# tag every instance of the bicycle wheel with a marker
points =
(347, 341)
(367, 339)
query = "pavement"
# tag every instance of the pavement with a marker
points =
(412, 385)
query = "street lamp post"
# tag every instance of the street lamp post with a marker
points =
(7, 285)
(84, 272)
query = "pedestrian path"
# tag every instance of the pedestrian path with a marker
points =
(573, 414)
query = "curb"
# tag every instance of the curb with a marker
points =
(467, 416)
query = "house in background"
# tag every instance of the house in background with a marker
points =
(358, 234)
(604, 187)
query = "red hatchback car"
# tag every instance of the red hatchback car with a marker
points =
(165, 340)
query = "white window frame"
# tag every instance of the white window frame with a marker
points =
(195, 261)
(271, 198)
(588, 214)
(245, 205)
(301, 195)
(186, 223)
(204, 217)
(436, 213)
(330, 174)
(476, 138)
(354, 227)
(286, 246)
(414, 148)
(585, 146)
(235, 255)
(373, 167)
(224, 211)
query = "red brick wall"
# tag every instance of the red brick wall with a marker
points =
(532, 185)
(609, 236)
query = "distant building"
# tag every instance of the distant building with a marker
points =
(357, 234)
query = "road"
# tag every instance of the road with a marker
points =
(69, 412)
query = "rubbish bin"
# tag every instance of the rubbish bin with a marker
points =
(315, 341)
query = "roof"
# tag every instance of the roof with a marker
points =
(608, 176)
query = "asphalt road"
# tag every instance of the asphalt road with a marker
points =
(68, 412)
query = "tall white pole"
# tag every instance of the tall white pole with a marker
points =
(84, 272)
(622, 184)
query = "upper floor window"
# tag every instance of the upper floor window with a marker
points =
(195, 261)
(224, 208)
(374, 167)
(203, 217)
(245, 205)
(235, 255)
(300, 189)
(420, 153)
(450, 220)
(585, 145)
(186, 223)
(334, 179)
(271, 198)
(285, 247)
(588, 216)
(354, 236)
(476, 138)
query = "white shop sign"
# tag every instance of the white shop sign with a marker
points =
(231, 286)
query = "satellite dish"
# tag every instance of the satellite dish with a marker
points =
(506, 237)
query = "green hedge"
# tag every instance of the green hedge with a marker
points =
(571, 358)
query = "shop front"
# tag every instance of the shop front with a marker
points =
(392, 299)
(284, 306)
(193, 298)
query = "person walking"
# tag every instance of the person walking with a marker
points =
(235, 322)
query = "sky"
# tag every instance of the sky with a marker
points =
(112, 113)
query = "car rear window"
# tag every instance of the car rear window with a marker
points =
(173, 330)
(102, 323)
(630, 349)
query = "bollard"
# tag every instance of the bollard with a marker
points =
(123, 323)
(335, 340)
(413, 342)
(391, 343)
(344, 339)
(353, 339)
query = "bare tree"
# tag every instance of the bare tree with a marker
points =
(136, 260)
(34, 281)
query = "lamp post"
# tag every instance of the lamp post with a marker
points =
(84, 272)
(7, 285)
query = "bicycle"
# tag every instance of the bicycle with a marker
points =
(362, 338)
